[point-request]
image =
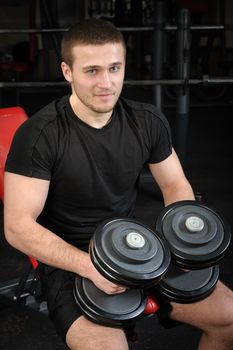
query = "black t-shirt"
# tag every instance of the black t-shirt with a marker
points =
(93, 172)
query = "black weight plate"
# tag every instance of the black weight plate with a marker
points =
(128, 252)
(196, 235)
(113, 276)
(109, 310)
(187, 287)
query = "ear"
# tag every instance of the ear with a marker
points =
(66, 72)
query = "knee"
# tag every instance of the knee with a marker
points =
(98, 344)
(85, 335)
(222, 333)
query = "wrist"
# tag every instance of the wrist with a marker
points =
(86, 266)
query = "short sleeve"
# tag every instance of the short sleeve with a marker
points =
(32, 152)
(161, 140)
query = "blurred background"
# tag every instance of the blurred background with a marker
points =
(179, 58)
(31, 32)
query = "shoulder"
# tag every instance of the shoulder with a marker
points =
(45, 120)
(35, 144)
(143, 112)
(41, 130)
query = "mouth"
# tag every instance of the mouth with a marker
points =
(105, 96)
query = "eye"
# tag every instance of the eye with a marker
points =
(91, 71)
(114, 69)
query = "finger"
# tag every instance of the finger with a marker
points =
(120, 290)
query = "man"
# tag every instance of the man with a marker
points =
(76, 163)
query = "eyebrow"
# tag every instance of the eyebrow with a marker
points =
(95, 66)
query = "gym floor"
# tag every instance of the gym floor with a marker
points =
(208, 165)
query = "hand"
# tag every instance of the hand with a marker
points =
(102, 283)
(105, 285)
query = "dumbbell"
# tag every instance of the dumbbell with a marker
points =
(116, 310)
(198, 239)
(128, 253)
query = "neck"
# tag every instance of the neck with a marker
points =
(95, 119)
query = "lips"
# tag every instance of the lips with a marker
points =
(105, 94)
(109, 97)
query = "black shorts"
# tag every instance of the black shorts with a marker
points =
(57, 286)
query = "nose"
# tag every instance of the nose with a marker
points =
(104, 80)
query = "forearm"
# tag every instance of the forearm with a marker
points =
(33, 239)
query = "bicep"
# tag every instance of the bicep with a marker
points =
(24, 196)
(168, 172)
(171, 179)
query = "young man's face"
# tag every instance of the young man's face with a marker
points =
(97, 76)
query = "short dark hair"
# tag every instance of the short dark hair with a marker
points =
(90, 31)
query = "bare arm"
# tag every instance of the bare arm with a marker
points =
(24, 200)
(170, 178)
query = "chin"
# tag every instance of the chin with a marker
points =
(104, 109)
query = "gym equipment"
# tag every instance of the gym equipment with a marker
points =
(188, 286)
(116, 310)
(127, 252)
(197, 236)
(10, 120)
(198, 239)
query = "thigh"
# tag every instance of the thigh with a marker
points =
(86, 335)
(58, 289)
(214, 311)
(71, 325)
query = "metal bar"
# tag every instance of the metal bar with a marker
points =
(158, 53)
(22, 283)
(183, 72)
(217, 80)
(169, 28)
(29, 84)
(45, 30)
(165, 82)
(123, 29)
(205, 81)
(196, 27)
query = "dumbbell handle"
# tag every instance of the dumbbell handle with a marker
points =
(152, 305)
